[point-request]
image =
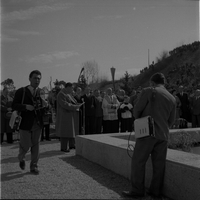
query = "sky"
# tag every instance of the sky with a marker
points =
(58, 36)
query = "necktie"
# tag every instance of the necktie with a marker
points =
(111, 99)
(34, 92)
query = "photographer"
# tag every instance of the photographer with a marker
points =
(32, 111)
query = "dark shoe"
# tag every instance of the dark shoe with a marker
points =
(72, 147)
(65, 150)
(22, 164)
(34, 171)
(131, 194)
(154, 196)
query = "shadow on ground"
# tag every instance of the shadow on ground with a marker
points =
(100, 174)
(28, 156)
(13, 175)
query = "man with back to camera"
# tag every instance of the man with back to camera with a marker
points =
(32, 110)
(158, 103)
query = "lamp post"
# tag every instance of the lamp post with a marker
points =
(112, 69)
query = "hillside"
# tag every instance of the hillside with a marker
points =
(181, 67)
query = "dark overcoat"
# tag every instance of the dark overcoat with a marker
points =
(5, 104)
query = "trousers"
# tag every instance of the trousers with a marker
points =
(195, 121)
(145, 147)
(30, 140)
(67, 143)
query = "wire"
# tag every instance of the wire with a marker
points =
(130, 147)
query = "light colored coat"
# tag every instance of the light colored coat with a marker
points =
(110, 113)
(67, 117)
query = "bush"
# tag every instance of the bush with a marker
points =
(181, 140)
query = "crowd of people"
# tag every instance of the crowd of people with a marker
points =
(98, 112)
(112, 111)
(186, 74)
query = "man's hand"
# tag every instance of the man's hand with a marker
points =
(30, 107)
(9, 109)
(44, 103)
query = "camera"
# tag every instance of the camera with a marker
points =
(37, 103)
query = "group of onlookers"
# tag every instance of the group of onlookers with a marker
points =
(189, 47)
(187, 107)
(99, 112)
(91, 112)
(186, 75)
(104, 111)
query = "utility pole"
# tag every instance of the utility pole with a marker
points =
(148, 58)
(112, 69)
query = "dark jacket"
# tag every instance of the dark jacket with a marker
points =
(185, 106)
(5, 104)
(89, 105)
(28, 117)
(195, 105)
(98, 109)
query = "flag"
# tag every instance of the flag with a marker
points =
(80, 73)
(82, 70)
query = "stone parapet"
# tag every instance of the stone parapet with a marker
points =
(182, 176)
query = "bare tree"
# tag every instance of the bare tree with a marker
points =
(9, 83)
(163, 55)
(91, 71)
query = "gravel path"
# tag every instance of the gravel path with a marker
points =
(62, 176)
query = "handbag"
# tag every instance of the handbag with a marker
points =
(16, 118)
(144, 127)
(47, 118)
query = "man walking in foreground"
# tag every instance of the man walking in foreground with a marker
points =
(31, 104)
(158, 103)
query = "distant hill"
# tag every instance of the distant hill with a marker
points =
(180, 67)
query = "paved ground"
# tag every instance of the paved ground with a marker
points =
(62, 176)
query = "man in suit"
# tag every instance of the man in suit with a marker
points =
(98, 112)
(195, 109)
(132, 100)
(185, 112)
(157, 102)
(32, 111)
(89, 100)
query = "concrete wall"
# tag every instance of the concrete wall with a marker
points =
(182, 176)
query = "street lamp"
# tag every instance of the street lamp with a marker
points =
(112, 69)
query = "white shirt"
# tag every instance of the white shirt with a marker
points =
(33, 90)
